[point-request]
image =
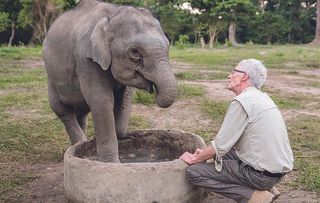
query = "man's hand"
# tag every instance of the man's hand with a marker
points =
(187, 157)
(198, 156)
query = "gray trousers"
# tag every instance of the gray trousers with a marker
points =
(237, 180)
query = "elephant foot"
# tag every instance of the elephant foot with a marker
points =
(75, 141)
(107, 160)
(122, 136)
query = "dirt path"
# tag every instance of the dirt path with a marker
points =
(48, 187)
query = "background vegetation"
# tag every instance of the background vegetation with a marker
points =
(184, 21)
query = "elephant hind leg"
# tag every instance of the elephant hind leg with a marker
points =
(121, 111)
(82, 118)
(75, 132)
(68, 116)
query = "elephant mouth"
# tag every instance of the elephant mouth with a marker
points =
(151, 87)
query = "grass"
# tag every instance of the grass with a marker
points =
(188, 91)
(193, 75)
(143, 97)
(305, 141)
(309, 175)
(315, 84)
(137, 122)
(216, 111)
(276, 57)
(184, 91)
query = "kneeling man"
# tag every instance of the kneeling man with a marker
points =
(251, 152)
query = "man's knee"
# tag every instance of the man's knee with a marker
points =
(193, 173)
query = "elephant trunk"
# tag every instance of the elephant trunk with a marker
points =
(165, 84)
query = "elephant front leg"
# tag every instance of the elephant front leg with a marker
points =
(122, 108)
(105, 133)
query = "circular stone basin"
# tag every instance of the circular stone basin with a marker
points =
(150, 170)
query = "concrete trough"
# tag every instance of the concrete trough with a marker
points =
(150, 170)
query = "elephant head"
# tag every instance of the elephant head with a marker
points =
(132, 44)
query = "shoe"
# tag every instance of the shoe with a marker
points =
(275, 192)
(261, 197)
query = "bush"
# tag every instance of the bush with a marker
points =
(183, 41)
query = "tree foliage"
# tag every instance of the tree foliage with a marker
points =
(206, 21)
(4, 21)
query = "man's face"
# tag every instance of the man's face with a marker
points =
(235, 79)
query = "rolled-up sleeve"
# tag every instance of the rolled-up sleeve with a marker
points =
(234, 123)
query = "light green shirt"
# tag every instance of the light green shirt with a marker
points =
(254, 126)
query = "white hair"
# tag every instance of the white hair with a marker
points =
(256, 71)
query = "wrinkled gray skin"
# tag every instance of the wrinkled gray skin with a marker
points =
(94, 55)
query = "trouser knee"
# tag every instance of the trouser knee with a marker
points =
(193, 173)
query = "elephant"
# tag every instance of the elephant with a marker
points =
(95, 55)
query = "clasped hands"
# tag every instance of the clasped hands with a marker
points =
(191, 158)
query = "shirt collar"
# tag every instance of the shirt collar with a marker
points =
(250, 88)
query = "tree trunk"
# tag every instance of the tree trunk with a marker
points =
(13, 24)
(172, 40)
(203, 43)
(262, 5)
(213, 31)
(232, 34)
(316, 40)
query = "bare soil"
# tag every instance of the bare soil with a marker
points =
(48, 186)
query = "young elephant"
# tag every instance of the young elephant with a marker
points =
(94, 55)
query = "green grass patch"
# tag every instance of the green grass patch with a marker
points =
(26, 140)
(143, 97)
(287, 102)
(193, 75)
(305, 141)
(137, 122)
(223, 58)
(309, 175)
(304, 134)
(315, 84)
(216, 110)
(293, 72)
(189, 75)
(17, 53)
(12, 180)
(189, 91)
(29, 78)
(206, 134)
(184, 91)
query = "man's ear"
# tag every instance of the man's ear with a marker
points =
(98, 49)
(245, 77)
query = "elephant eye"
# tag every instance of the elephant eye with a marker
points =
(134, 54)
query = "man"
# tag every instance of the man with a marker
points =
(251, 151)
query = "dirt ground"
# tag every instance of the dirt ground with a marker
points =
(48, 187)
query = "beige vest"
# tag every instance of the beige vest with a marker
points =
(264, 143)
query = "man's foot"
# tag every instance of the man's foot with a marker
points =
(261, 197)
(275, 192)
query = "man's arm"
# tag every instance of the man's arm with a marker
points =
(234, 123)
(199, 155)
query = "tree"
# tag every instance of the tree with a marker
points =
(316, 40)
(208, 20)
(9, 16)
(4, 21)
(70, 4)
(233, 12)
(39, 14)
(269, 27)
(173, 19)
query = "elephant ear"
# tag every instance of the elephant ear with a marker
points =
(145, 11)
(98, 49)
